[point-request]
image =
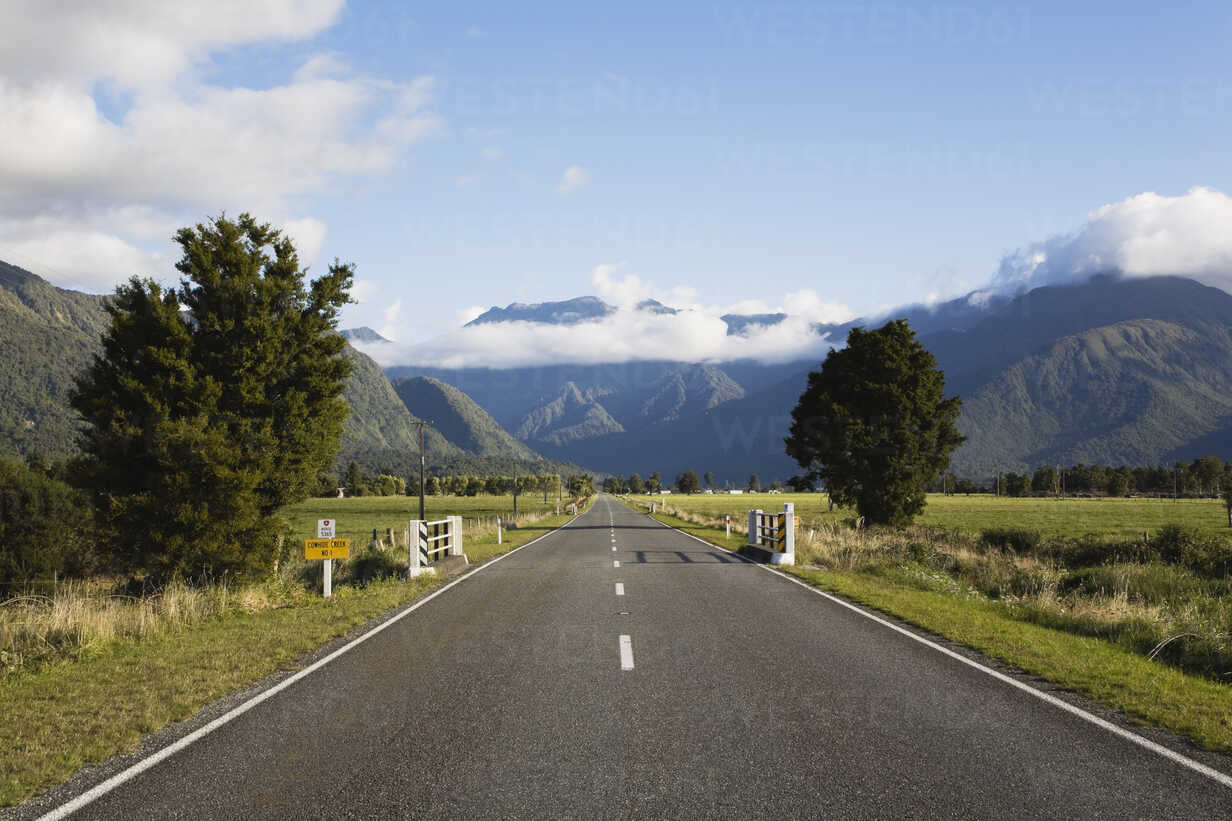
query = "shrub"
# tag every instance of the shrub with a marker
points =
(374, 565)
(45, 527)
(1015, 539)
(1186, 546)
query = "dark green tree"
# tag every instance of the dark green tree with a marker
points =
(354, 482)
(1016, 485)
(1119, 482)
(654, 484)
(213, 404)
(45, 528)
(709, 479)
(1207, 472)
(580, 485)
(874, 426)
(754, 483)
(687, 482)
(1225, 487)
(1046, 480)
(636, 485)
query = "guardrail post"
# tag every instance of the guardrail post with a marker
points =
(789, 532)
(455, 535)
(416, 545)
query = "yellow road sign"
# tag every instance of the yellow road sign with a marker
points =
(327, 548)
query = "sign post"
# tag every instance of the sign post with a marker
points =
(326, 547)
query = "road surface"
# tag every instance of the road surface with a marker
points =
(618, 668)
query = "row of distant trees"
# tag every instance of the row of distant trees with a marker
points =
(356, 482)
(1208, 476)
(686, 482)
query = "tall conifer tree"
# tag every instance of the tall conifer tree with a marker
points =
(214, 404)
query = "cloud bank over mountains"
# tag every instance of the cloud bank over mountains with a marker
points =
(694, 332)
(1144, 235)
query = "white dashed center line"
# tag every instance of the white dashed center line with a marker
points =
(620, 588)
(626, 653)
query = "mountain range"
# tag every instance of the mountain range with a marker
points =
(591, 308)
(1111, 370)
(49, 335)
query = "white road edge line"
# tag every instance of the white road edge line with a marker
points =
(99, 790)
(626, 653)
(620, 589)
(1146, 743)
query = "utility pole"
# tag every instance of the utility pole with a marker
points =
(422, 463)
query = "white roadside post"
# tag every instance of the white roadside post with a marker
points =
(415, 531)
(498, 530)
(417, 546)
(455, 535)
(325, 530)
(754, 532)
(789, 536)
(728, 523)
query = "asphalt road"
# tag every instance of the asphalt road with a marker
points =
(735, 694)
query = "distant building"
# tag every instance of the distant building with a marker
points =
(736, 492)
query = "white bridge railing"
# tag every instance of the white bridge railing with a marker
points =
(433, 539)
(774, 534)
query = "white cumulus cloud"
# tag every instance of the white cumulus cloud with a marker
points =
(1144, 235)
(308, 234)
(575, 177)
(390, 329)
(115, 131)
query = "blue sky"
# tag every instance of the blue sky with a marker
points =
(723, 155)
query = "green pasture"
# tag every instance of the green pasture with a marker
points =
(356, 517)
(1109, 518)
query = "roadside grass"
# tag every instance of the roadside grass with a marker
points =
(1108, 518)
(114, 668)
(358, 517)
(1099, 651)
(74, 617)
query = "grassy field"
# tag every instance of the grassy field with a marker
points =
(1109, 519)
(1097, 651)
(86, 673)
(356, 518)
